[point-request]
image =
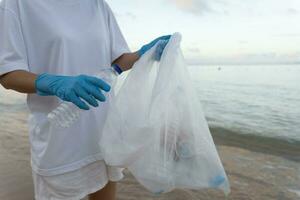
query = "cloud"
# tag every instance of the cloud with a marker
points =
(193, 6)
(242, 41)
(293, 11)
(227, 7)
(193, 50)
(290, 35)
(129, 15)
(247, 58)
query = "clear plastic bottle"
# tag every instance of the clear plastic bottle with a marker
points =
(67, 113)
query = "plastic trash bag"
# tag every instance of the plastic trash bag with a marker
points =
(157, 130)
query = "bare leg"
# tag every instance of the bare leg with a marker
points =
(107, 193)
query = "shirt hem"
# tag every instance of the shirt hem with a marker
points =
(88, 192)
(12, 67)
(85, 194)
(66, 168)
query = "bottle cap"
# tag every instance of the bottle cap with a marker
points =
(117, 68)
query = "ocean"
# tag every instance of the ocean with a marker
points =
(260, 100)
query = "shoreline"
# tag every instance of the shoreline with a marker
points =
(258, 168)
(274, 146)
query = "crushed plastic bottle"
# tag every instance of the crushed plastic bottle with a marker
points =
(67, 113)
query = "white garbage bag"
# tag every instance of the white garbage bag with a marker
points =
(157, 130)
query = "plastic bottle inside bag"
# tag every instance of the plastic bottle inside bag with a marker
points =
(67, 113)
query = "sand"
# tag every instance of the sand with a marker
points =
(254, 175)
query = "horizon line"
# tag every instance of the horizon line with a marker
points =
(243, 63)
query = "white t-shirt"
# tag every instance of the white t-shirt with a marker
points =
(65, 37)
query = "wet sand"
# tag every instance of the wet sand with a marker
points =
(256, 172)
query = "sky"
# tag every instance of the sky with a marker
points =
(217, 31)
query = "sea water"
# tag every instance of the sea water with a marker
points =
(259, 100)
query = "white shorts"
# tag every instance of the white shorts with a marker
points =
(77, 184)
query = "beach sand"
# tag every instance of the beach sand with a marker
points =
(255, 173)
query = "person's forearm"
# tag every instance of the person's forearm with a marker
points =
(127, 60)
(20, 81)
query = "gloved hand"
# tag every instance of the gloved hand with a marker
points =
(162, 42)
(72, 88)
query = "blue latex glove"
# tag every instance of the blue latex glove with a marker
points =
(72, 88)
(162, 42)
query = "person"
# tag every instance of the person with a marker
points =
(51, 50)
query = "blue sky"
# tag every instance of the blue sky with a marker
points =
(217, 31)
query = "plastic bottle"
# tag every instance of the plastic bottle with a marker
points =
(67, 113)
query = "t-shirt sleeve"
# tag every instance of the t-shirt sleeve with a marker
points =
(12, 48)
(117, 41)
